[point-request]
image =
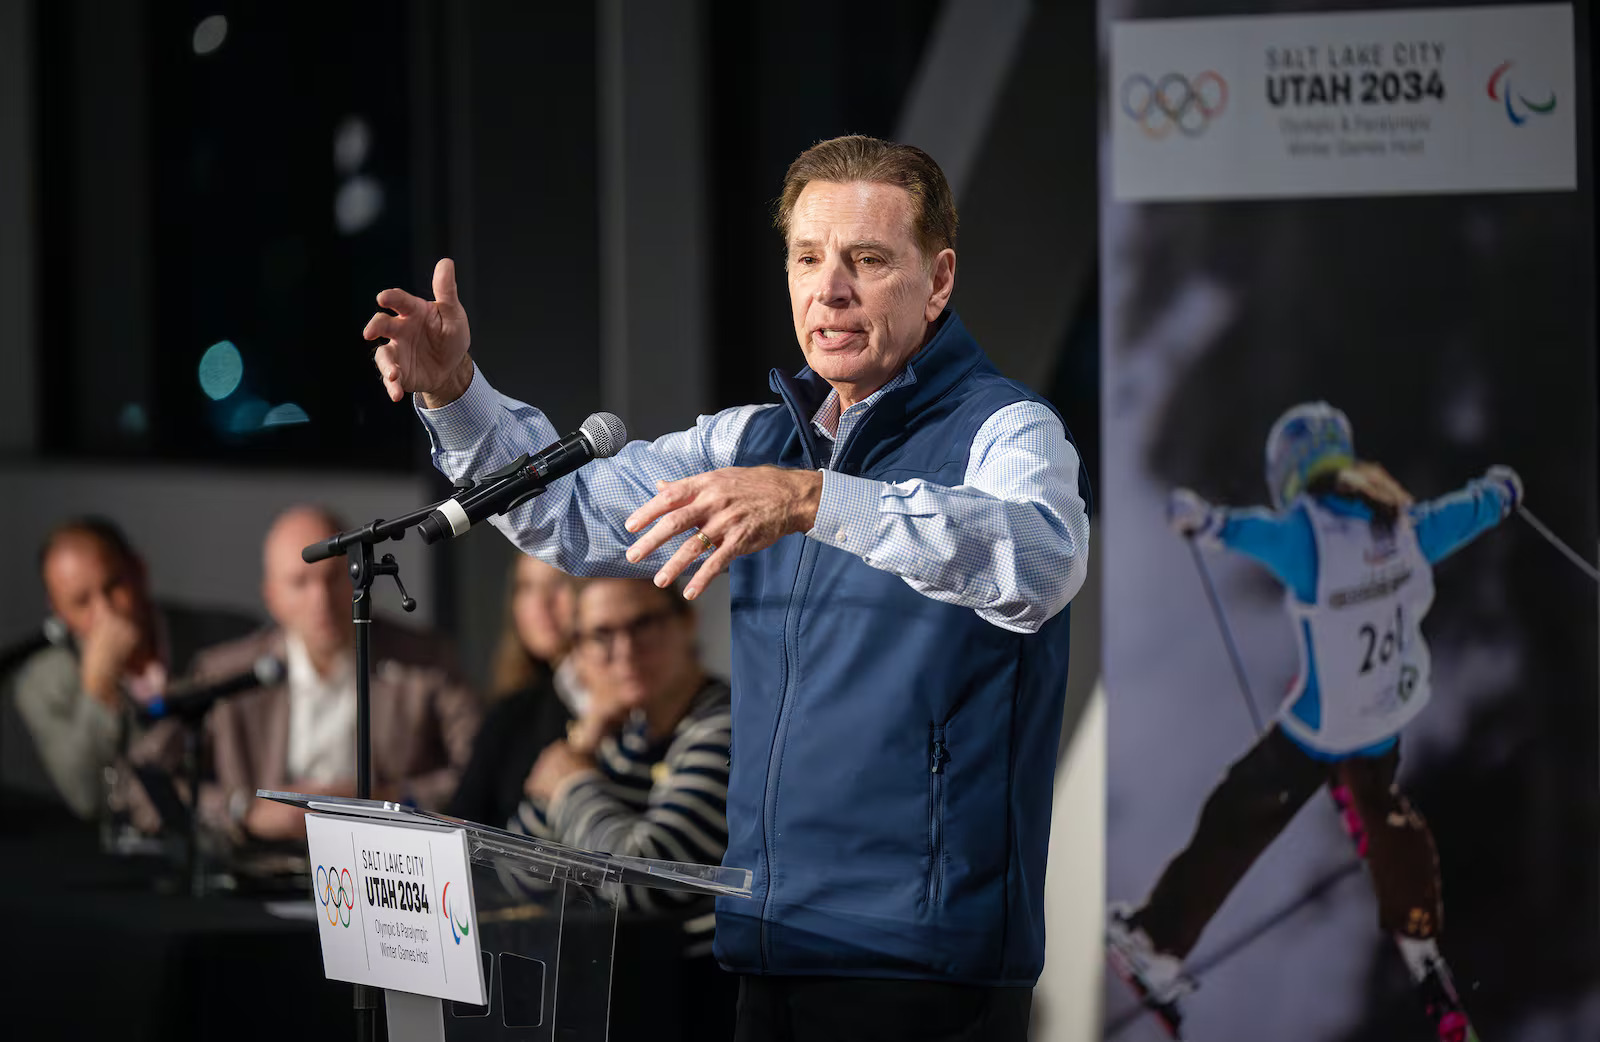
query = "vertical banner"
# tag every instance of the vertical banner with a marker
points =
(1349, 412)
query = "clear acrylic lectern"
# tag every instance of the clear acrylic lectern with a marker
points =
(547, 924)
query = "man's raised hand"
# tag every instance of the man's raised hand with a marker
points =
(427, 342)
(738, 509)
(107, 649)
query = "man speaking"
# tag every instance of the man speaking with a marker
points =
(902, 535)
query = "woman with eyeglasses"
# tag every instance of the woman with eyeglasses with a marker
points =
(645, 770)
(534, 694)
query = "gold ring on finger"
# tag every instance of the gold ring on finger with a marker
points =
(711, 547)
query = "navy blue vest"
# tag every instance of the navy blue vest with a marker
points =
(894, 757)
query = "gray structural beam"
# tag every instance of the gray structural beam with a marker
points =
(18, 346)
(964, 70)
(1006, 102)
(512, 196)
(655, 347)
(655, 355)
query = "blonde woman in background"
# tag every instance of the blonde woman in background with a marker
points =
(534, 694)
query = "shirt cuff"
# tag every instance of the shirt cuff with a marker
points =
(847, 511)
(463, 421)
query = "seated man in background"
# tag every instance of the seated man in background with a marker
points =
(301, 735)
(534, 694)
(77, 703)
(644, 772)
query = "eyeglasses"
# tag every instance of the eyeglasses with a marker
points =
(645, 631)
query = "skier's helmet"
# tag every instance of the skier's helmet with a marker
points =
(1309, 440)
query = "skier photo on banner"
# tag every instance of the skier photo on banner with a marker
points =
(1355, 555)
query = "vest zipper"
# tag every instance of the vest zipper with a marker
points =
(791, 625)
(791, 653)
(939, 755)
(769, 810)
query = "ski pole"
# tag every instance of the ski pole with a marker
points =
(1221, 618)
(1116, 1023)
(1554, 540)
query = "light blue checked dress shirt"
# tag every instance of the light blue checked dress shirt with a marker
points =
(1010, 542)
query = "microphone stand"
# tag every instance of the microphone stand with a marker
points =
(356, 545)
(191, 761)
(503, 490)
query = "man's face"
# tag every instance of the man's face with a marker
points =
(861, 293)
(311, 601)
(85, 580)
(632, 646)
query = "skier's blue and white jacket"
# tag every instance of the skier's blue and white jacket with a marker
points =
(1357, 593)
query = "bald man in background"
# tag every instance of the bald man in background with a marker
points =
(301, 735)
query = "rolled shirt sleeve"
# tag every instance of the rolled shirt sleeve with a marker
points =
(76, 736)
(1011, 541)
(576, 524)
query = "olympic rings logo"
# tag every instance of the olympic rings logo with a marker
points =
(337, 892)
(1174, 101)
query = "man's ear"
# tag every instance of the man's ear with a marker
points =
(944, 283)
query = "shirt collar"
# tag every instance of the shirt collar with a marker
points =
(302, 674)
(825, 421)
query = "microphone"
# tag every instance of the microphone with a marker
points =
(51, 632)
(193, 701)
(601, 436)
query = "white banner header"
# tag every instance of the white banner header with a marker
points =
(1475, 99)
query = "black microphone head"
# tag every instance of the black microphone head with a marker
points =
(270, 670)
(605, 434)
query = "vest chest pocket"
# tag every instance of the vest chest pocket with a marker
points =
(938, 757)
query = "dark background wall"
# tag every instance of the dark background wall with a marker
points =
(603, 173)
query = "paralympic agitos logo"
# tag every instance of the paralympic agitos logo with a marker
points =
(458, 930)
(1174, 102)
(1502, 90)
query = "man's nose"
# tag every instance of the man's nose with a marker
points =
(834, 287)
(100, 605)
(326, 595)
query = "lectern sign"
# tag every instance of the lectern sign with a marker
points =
(395, 907)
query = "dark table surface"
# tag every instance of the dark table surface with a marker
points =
(111, 947)
(114, 947)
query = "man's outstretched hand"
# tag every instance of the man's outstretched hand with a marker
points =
(427, 341)
(739, 509)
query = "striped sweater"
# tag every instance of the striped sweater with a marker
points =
(665, 800)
